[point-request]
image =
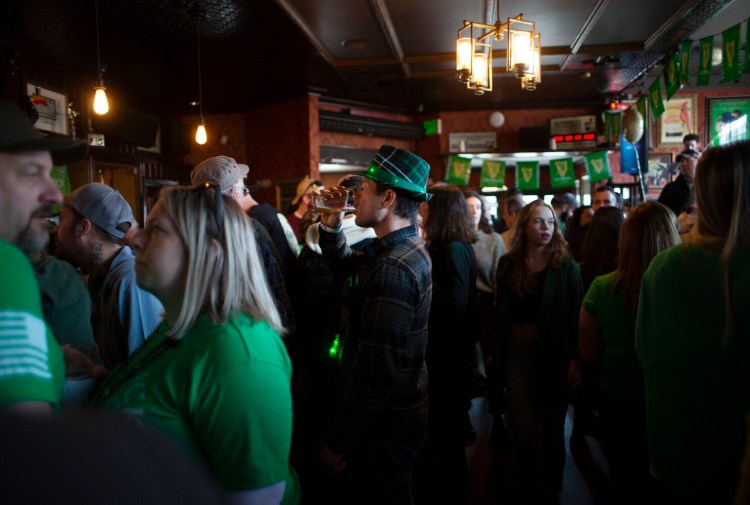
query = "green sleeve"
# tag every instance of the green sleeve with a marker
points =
(31, 366)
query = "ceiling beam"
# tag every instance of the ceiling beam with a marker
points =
(588, 25)
(389, 32)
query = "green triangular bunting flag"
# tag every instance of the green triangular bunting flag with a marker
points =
(686, 55)
(747, 47)
(612, 125)
(527, 175)
(459, 170)
(493, 174)
(654, 95)
(672, 76)
(704, 65)
(597, 165)
(562, 173)
(730, 54)
(641, 105)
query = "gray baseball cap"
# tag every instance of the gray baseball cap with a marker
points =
(104, 207)
(223, 171)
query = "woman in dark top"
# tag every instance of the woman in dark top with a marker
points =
(539, 297)
(450, 233)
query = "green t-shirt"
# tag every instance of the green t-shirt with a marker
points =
(697, 385)
(223, 393)
(31, 364)
(621, 372)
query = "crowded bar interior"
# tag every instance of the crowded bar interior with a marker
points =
(507, 100)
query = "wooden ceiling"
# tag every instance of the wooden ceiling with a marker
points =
(399, 54)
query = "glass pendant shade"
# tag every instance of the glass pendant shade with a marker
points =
(464, 50)
(520, 52)
(480, 77)
(101, 105)
(201, 137)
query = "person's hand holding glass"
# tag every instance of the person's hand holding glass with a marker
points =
(332, 202)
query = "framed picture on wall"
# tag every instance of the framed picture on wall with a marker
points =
(679, 119)
(52, 107)
(658, 173)
(727, 120)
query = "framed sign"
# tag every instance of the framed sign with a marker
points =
(658, 174)
(727, 120)
(52, 107)
(679, 119)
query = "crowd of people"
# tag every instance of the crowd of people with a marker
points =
(330, 356)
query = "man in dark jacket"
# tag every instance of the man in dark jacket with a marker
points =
(676, 194)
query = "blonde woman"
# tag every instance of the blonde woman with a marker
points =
(539, 298)
(607, 340)
(693, 337)
(215, 375)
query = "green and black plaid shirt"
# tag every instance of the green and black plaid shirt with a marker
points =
(384, 334)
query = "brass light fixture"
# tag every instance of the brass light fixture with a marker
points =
(101, 105)
(201, 137)
(474, 52)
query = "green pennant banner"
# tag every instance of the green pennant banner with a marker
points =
(612, 121)
(686, 56)
(459, 170)
(527, 175)
(672, 76)
(493, 174)
(704, 65)
(642, 108)
(730, 54)
(747, 47)
(597, 165)
(562, 173)
(654, 96)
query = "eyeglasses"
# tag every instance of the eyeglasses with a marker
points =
(219, 209)
(245, 190)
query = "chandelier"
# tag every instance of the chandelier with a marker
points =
(474, 52)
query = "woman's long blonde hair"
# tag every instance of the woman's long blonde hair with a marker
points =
(722, 193)
(649, 229)
(522, 279)
(225, 275)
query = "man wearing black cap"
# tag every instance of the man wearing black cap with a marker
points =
(676, 194)
(31, 366)
(381, 420)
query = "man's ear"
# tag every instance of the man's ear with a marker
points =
(83, 227)
(389, 198)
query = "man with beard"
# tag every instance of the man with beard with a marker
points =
(31, 366)
(91, 235)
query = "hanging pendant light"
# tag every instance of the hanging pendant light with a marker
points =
(474, 52)
(101, 105)
(201, 136)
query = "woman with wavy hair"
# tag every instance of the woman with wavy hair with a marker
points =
(693, 337)
(452, 333)
(538, 301)
(607, 340)
(215, 375)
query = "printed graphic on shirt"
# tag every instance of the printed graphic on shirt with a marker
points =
(23, 346)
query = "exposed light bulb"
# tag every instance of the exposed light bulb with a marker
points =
(101, 105)
(201, 137)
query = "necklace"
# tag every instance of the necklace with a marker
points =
(138, 361)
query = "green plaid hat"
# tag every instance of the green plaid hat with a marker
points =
(401, 169)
